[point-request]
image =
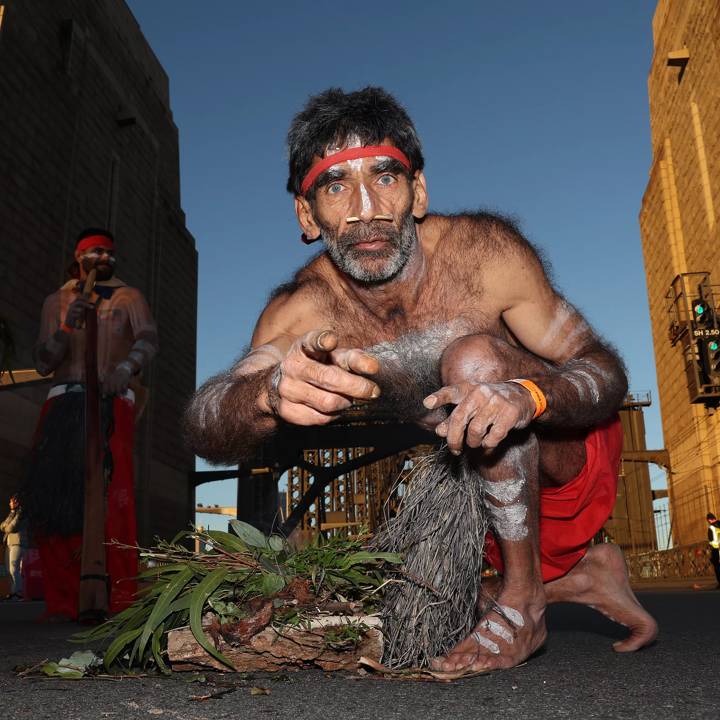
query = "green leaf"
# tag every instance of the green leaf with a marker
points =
(276, 543)
(272, 583)
(162, 606)
(369, 557)
(81, 660)
(52, 669)
(156, 650)
(228, 541)
(201, 593)
(182, 603)
(248, 534)
(159, 570)
(119, 644)
(196, 677)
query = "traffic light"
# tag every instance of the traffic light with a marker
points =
(703, 315)
(712, 349)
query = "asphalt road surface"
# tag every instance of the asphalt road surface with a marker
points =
(576, 675)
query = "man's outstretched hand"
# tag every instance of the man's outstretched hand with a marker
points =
(316, 380)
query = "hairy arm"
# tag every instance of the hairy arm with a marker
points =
(294, 373)
(585, 381)
(582, 379)
(229, 415)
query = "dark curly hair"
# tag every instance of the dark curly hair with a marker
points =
(333, 116)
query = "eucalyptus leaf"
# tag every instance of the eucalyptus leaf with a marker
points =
(82, 659)
(162, 606)
(53, 669)
(157, 650)
(248, 534)
(276, 543)
(364, 556)
(201, 593)
(228, 541)
(119, 644)
(272, 583)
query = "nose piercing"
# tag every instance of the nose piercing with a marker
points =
(354, 219)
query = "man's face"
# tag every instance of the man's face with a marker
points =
(372, 253)
(100, 258)
(13, 503)
(364, 210)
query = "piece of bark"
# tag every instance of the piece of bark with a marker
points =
(271, 650)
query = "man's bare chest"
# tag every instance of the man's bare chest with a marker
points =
(436, 317)
(409, 343)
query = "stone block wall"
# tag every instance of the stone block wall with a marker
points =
(679, 228)
(87, 138)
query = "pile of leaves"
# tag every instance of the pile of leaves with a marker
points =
(237, 586)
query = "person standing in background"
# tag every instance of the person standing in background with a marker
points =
(15, 540)
(714, 540)
(53, 492)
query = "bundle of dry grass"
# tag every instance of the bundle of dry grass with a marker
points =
(440, 531)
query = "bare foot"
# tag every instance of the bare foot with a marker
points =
(600, 580)
(508, 633)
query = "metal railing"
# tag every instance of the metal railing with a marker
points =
(678, 563)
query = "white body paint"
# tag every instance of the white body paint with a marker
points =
(561, 317)
(509, 521)
(500, 630)
(94, 256)
(579, 385)
(566, 342)
(492, 646)
(212, 400)
(508, 517)
(590, 381)
(513, 615)
(366, 203)
(505, 491)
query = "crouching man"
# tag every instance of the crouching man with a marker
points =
(449, 321)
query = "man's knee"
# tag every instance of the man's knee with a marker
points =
(475, 358)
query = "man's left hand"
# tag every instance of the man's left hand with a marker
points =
(484, 414)
(119, 380)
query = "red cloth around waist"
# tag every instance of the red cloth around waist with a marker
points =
(571, 514)
(60, 556)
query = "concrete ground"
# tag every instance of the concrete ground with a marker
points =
(576, 675)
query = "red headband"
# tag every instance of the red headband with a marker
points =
(351, 154)
(93, 241)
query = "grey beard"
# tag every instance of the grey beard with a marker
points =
(351, 262)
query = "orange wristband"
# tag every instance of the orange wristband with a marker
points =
(537, 395)
(66, 328)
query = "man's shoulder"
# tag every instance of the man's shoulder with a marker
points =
(306, 293)
(476, 229)
(477, 241)
(312, 281)
(125, 293)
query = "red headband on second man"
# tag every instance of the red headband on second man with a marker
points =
(93, 241)
(351, 154)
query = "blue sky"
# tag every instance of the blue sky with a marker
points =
(535, 109)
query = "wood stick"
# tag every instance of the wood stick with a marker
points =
(93, 594)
